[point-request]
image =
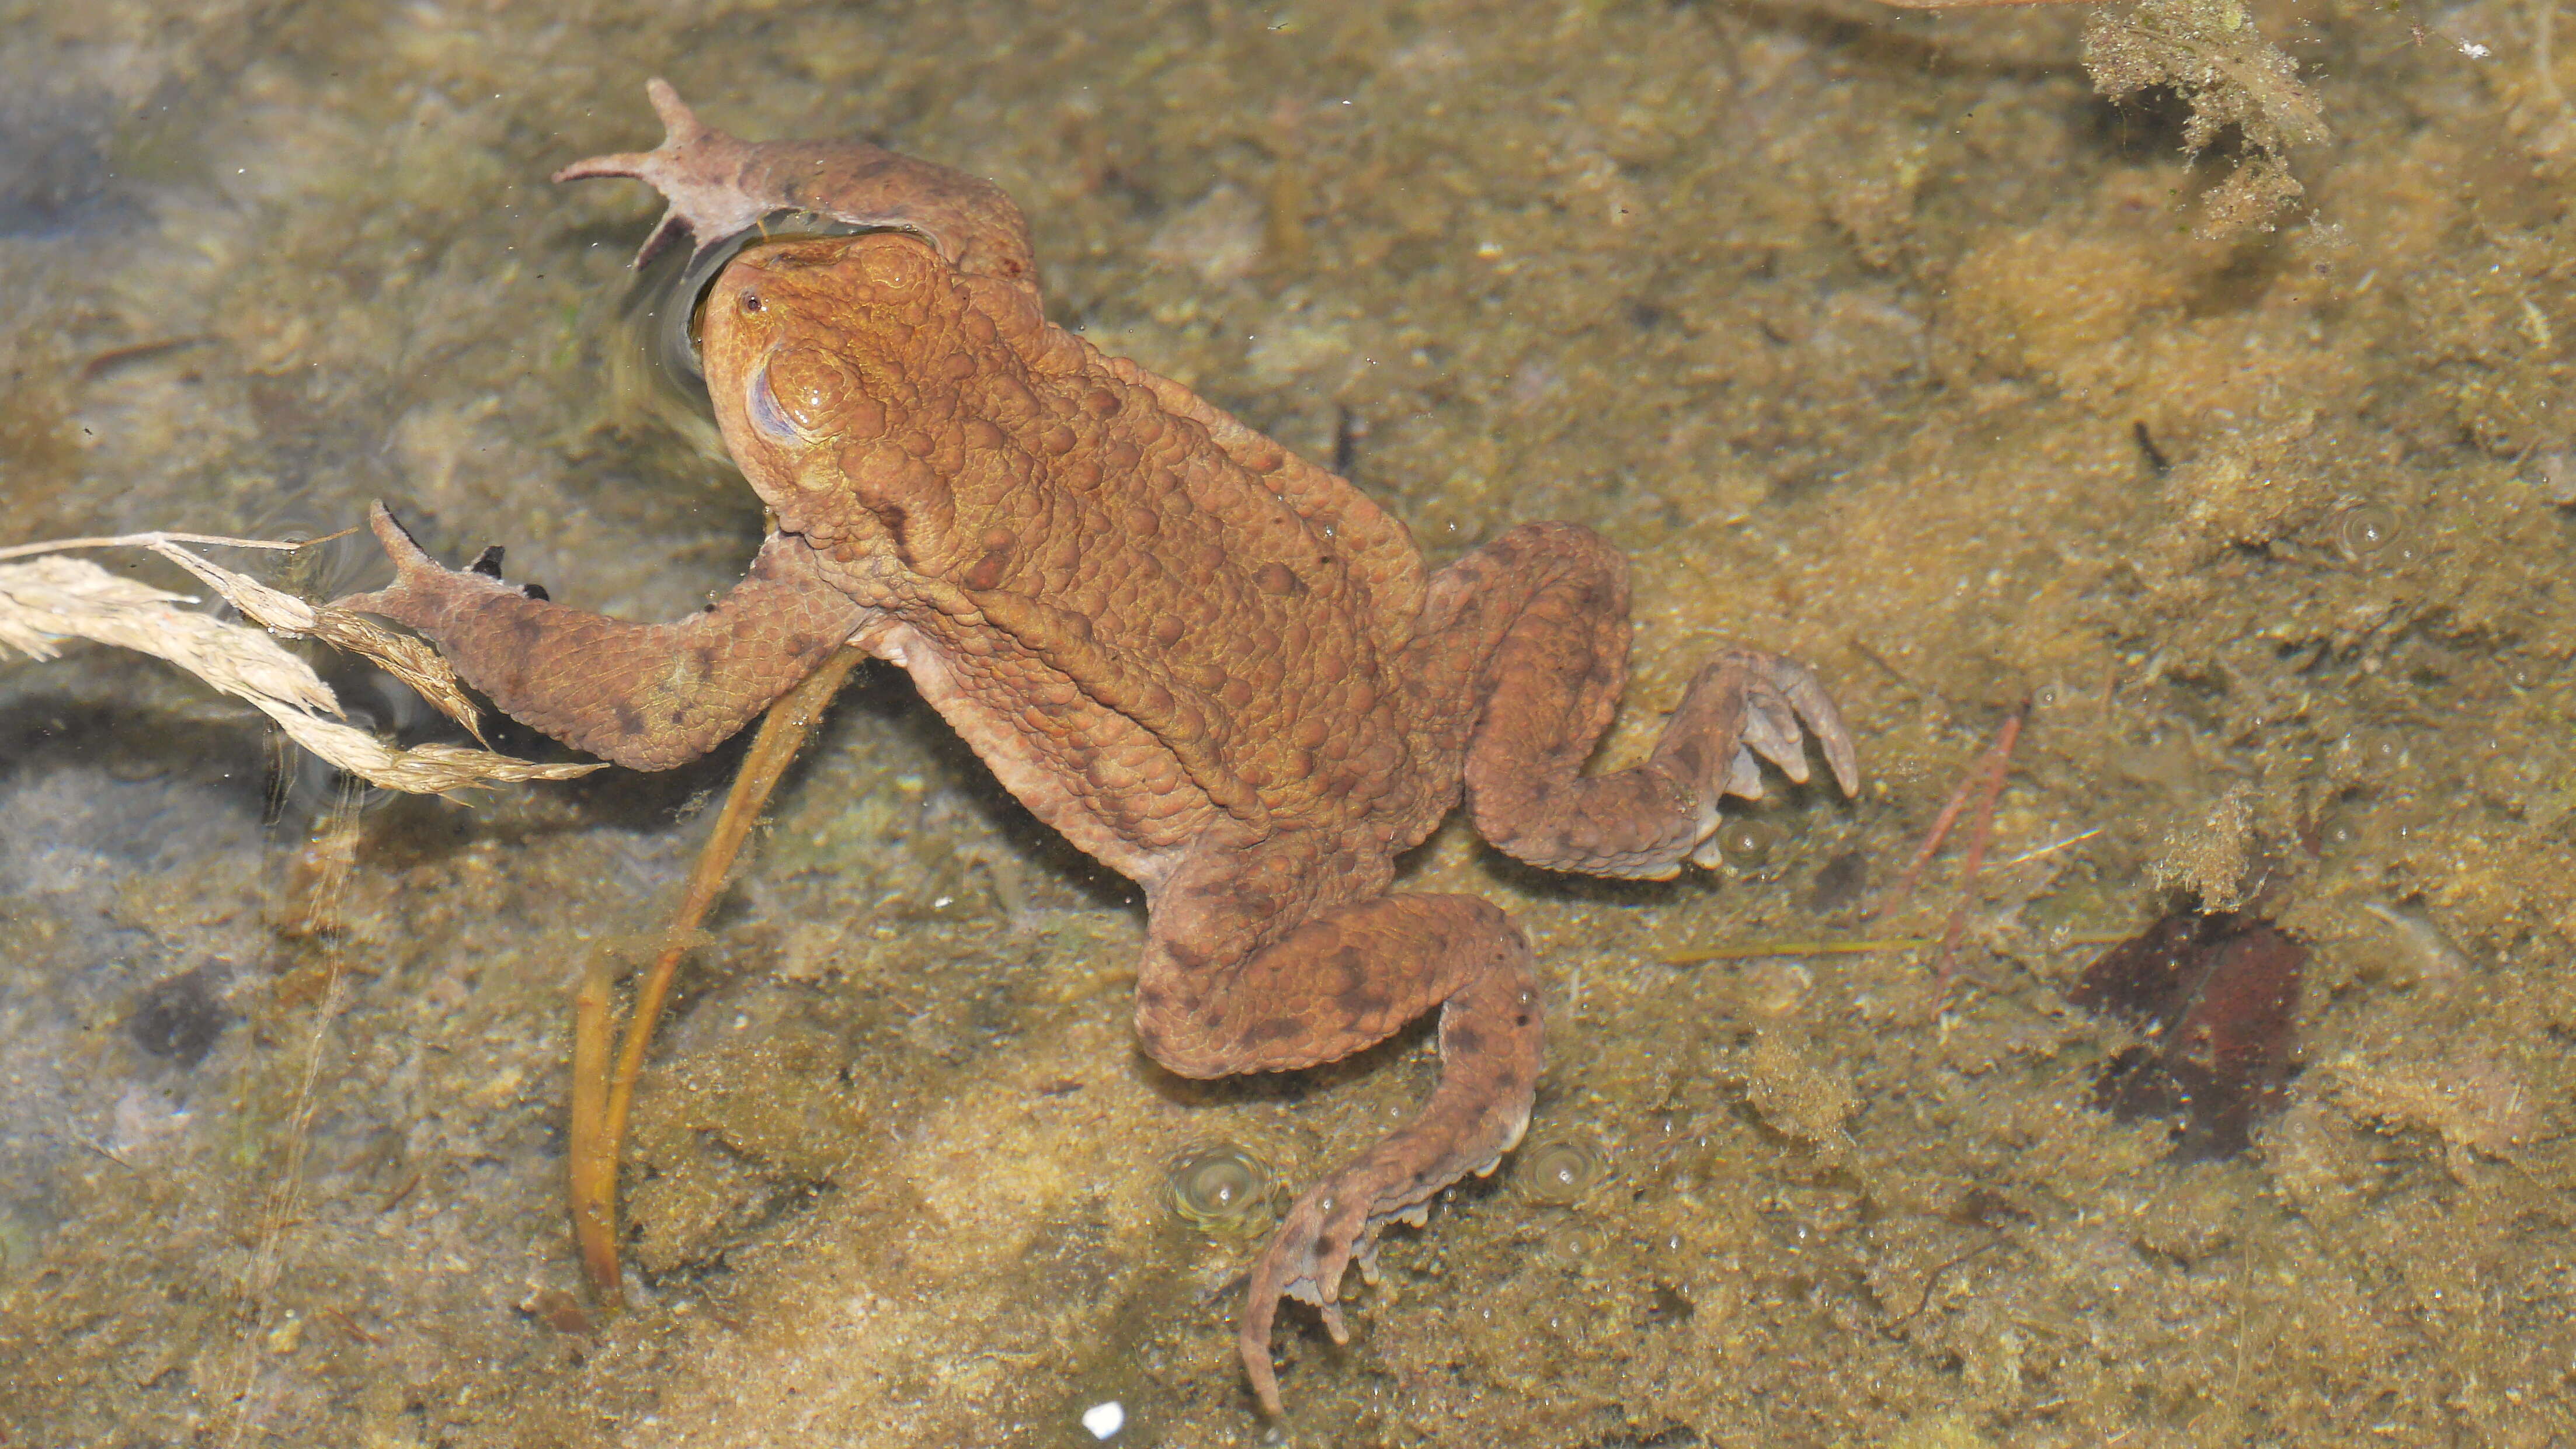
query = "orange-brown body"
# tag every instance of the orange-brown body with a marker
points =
(1218, 668)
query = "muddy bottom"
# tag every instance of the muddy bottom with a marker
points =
(2225, 430)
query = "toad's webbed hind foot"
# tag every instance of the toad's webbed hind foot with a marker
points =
(1491, 1052)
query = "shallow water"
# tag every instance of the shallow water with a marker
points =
(1876, 339)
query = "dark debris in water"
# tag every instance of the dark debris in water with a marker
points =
(1668, 1306)
(55, 172)
(2215, 998)
(1839, 884)
(179, 1017)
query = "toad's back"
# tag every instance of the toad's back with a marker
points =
(1126, 578)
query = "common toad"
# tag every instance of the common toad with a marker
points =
(1213, 665)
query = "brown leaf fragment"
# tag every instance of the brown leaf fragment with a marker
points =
(557, 1310)
(2214, 999)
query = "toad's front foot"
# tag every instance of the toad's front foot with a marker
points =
(720, 187)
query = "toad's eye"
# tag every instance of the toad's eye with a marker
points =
(796, 393)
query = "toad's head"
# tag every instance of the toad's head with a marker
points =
(839, 367)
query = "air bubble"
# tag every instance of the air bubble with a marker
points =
(2364, 530)
(1557, 1172)
(1747, 842)
(1216, 1187)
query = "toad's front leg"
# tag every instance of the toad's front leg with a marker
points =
(648, 696)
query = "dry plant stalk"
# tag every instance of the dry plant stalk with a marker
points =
(47, 598)
(413, 661)
(50, 598)
(284, 1207)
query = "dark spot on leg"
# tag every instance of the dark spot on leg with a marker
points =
(1692, 756)
(1466, 1041)
(1362, 1004)
(628, 721)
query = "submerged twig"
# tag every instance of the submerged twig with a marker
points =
(599, 1114)
(1979, 836)
(592, 1161)
(1985, 785)
(1764, 950)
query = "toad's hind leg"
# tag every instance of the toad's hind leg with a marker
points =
(1342, 981)
(1533, 632)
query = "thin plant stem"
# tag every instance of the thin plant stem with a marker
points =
(597, 1137)
(1949, 816)
(591, 1161)
(147, 540)
(1991, 788)
(1765, 950)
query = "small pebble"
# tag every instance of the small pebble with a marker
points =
(1105, 1420)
